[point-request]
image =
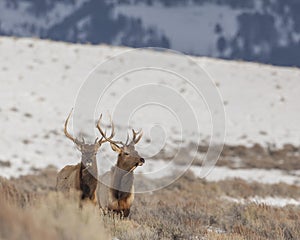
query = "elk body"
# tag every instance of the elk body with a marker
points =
(82, 176)
(115, 191)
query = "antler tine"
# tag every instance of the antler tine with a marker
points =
(139, 136)
(133, 135)
(136, 139)
(68, 135)
(127, 139)
(108, 139)
(112, 128)
(100, 141)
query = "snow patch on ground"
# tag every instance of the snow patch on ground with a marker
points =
(270, 201)
(159, 169)
(267, 176)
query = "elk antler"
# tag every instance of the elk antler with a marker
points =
(127, 139)
(136, 136)
(68, 135)
(104, 138)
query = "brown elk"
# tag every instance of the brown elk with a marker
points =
(115, 191)
(82, 176)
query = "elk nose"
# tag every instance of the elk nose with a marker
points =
(142, 160)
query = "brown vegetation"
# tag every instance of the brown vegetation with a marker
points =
(51, 217)
(188, 209)
(286, 157)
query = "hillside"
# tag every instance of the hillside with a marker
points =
(41, 79)
(251, 193)
(253, 30)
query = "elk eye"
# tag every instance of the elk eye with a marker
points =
(126, 153)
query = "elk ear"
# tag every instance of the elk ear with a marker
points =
(115, 148)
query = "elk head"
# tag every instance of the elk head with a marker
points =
(88, 151)
(128, 158)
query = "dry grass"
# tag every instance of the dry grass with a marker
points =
(52, 216)
(239, 188)
(64, 217)
(29, 211)
(188, 209)
(286, 158)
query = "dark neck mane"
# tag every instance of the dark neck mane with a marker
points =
(88, 179)
(122, 183)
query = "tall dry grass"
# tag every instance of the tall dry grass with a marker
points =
(188, 209)
(48, 216)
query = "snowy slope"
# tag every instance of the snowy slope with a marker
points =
(41, 79)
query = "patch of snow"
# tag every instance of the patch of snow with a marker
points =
(156, 169)
(214, 229)
(81, 25)
(271, 176)
(270, 201)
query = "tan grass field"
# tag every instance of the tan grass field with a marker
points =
(190, 208)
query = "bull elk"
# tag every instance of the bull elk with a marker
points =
(115, 191)
(82, 176)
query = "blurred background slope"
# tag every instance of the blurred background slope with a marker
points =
(266, 31)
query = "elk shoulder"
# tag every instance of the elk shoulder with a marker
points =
(68, 178)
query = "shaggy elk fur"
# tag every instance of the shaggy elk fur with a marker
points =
(83, 176)
(115, 191)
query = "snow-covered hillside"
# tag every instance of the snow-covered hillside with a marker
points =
(41, 79)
